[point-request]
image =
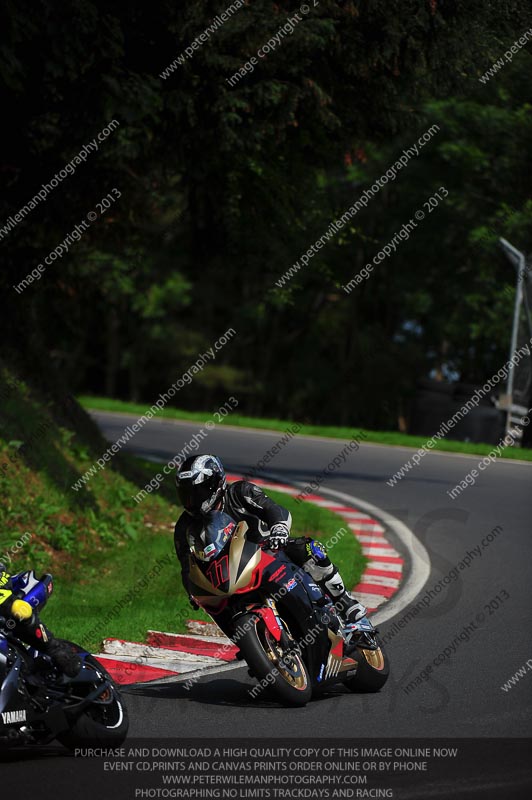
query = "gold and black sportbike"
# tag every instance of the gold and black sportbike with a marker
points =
(286, 629)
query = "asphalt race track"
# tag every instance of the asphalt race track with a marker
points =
(461, 697)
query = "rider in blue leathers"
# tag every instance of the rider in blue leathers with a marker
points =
(32, 631)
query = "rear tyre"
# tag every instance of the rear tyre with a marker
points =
(104, 723)
(372, 672)
(284, 672)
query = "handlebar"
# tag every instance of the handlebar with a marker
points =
(21, 610)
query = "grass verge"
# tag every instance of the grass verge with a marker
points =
(393, 438)
(104, 549)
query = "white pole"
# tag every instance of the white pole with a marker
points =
(519, 261)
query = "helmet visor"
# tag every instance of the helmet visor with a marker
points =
(197, 498)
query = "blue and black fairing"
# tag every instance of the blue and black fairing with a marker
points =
(9, 694)
(35, 591)
(13, 710)
(4, 669)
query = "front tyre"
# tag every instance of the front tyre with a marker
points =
(281, 669)
(372, 672)
(104, 723)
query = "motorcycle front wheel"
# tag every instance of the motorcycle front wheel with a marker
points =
(283, 671)
(104, 723)
(372, 672)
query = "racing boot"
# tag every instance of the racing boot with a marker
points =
(326, 575)
(349, 609)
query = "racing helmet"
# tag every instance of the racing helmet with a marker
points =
(201, 483)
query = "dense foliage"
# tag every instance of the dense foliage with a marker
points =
(224, 187)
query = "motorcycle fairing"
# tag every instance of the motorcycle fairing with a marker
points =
(243, 567)
(36, 591)
(238, 568)
(303, 604)
(268, 616)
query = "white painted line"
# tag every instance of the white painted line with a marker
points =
(276, 488)
(150, 654)
(384, 565)
(171, 666)
(221, 640)
(376, 539)
(366, 526)
(208, 628)
(370, 600)
(380, 580)
(389, 552)
(419, 558)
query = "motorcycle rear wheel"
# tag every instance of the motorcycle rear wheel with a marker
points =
(289, 680)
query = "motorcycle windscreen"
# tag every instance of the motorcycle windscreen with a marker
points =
(237, 568)
(214, 536)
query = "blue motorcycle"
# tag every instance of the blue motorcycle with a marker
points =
(38, 703)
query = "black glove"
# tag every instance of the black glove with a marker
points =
(279, 535)
(63, 656)
(193, 603)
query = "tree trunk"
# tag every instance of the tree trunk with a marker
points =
(112, 352)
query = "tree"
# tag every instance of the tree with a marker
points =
(223, 187)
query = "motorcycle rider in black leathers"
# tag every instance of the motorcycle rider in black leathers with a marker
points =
(28, 628)
(202, 488)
